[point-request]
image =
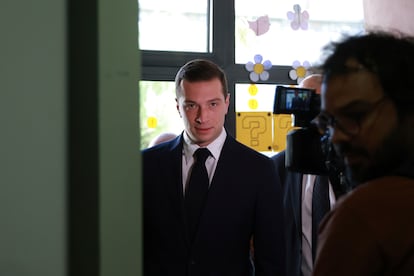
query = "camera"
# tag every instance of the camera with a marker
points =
(304, 149)
(307, 150)
(303, 103)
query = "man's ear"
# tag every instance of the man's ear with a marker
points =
(178, 107)
(227, 101)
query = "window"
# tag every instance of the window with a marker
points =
(158, 111)
(285, 31)
(180, 25)
(233, 33)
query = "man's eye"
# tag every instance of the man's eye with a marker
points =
(190, 106)
(355, 116)
(213, 104)
(322, 121)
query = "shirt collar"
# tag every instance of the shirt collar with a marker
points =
(214, 147)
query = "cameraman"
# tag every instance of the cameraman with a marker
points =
(298, 194)
(367, 109)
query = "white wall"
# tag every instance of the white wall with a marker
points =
(390, 15)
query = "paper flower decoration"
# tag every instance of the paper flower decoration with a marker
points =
(258, 69)
(260, 26)
(300, 71)
(299, 19)
(152, 122)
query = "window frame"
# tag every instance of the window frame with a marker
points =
(163, 65)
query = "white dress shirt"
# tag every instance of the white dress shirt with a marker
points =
(189, 148)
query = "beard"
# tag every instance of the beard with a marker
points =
(394, 152)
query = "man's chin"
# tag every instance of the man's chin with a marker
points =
(355, 160)
(356, 174)
(359, 170)
(360, 173)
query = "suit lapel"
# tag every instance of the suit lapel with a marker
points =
(221, 175)
(224, 162)
(175, 191)
(296, 197)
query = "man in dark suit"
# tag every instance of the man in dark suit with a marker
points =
(298, 196)
(297, 200)
(297, 102)
(292, 193)
(243, 199)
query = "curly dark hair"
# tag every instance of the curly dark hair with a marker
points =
(390, 56)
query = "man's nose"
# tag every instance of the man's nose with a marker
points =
(337, 135)
(202, 114)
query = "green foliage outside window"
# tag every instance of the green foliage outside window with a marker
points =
(158, 110)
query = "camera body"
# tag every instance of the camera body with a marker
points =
(304, 150)
(307, 150)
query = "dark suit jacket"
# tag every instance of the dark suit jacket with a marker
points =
(291, 183)
(244, 199)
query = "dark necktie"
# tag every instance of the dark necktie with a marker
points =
(320, 206)
(196, 190)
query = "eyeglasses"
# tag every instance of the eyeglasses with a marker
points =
(350, 123)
